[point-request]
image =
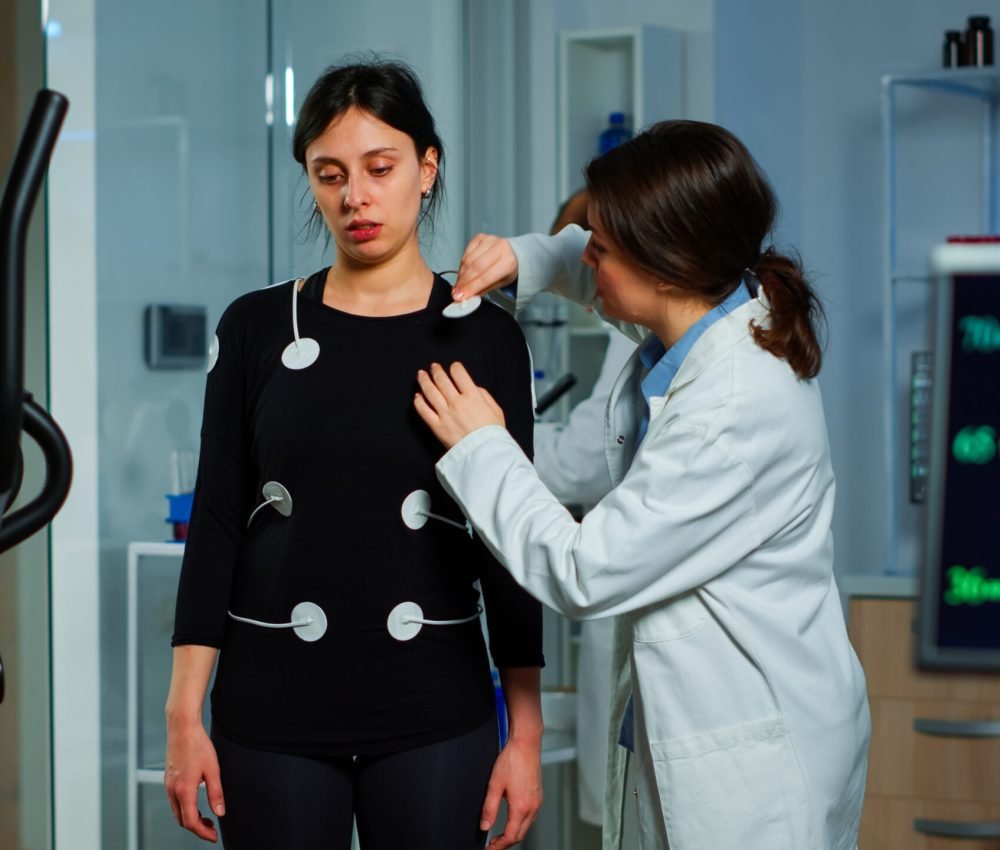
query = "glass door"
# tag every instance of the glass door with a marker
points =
(158, 202)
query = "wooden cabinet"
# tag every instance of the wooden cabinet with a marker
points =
(914, 776)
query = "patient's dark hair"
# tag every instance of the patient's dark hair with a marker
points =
(688, 203)
(388, 90)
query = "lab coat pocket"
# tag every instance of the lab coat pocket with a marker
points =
(678, 617)
(738, 788)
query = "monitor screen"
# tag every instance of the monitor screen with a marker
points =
(960, 587)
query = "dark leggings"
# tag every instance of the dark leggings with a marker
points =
(427, 798)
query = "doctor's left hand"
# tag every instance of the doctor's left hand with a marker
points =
(453, 406)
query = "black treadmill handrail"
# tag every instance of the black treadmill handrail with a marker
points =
(20, 193)
(29, 518)
(16, 407)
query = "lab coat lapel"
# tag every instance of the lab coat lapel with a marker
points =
(621, 419)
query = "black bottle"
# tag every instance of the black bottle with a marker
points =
(979, 41)
(954, 50)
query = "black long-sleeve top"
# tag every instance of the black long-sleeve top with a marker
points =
(343, 438)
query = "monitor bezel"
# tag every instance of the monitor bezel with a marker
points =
(947, 263)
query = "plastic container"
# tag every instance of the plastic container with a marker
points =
(501, 708)
(614, 134)
(979, 41)
(953, 52)
(180, 513)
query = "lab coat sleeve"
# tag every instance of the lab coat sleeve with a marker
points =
(223, 496)
(570, 457)
(683, 515)
(553, 264)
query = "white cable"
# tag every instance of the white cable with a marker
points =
(295, 310)
(416, 511)
(308, 621)
(263, 505)
(479, 611)
(463, 526)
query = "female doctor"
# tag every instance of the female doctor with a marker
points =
(739, 696)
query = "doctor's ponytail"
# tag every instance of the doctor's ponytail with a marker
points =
(794, 314)
(689, 204)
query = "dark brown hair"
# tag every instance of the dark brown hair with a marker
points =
(387, 89)
(688, 203)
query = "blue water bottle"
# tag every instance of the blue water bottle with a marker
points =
(616, 132)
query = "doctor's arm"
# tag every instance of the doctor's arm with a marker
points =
(538, 263)
(569, 457)
(683, 514)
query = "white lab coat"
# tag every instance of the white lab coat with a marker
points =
(569, 458)
(715, 552)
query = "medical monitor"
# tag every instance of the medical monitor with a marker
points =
(960, 581)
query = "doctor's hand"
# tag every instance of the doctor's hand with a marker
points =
(191, 760)
(454, 406)
(517, 775)
(488, 262)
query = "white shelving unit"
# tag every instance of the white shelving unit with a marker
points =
(981, 85)
(636, 70)
(139, 773)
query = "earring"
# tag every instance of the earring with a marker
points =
(315, 207)
(426, 194)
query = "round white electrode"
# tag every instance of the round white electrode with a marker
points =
(458, 309)
(415, 509)
(315, 621)
(400, 622)
(278, 496)
(301, 354)
(213, 353)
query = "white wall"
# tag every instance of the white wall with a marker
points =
(759, 93)
(800, 82)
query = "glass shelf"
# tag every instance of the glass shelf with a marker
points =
(912, 277)
(981, 83)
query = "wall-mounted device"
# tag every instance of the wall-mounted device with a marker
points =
(176, 336)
